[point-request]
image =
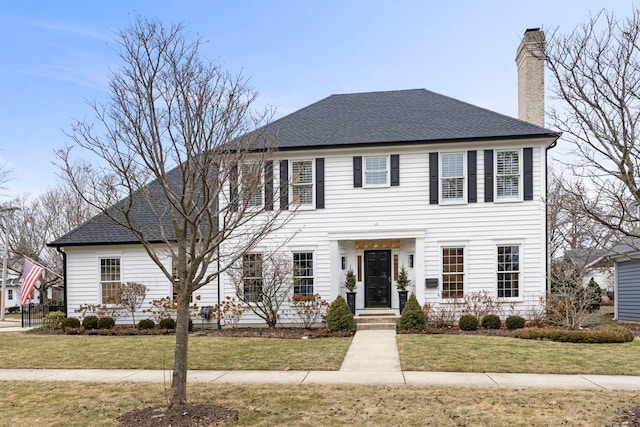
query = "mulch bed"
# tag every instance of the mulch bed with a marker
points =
(189, 415)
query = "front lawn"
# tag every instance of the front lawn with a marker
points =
(465, 353)
(87, 404)
(19, 350)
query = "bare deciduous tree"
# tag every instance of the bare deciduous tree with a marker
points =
(169, 147)
(596, 77)
(263, 283)
(131, 295)
(41, 220)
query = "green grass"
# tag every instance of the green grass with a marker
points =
(19, 350)
(465, 353)
(87, 404)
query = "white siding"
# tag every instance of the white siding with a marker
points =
(400, 212)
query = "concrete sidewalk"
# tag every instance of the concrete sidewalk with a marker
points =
(371, 359)
(455, 379)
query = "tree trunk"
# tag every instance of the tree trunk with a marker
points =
(179, 383)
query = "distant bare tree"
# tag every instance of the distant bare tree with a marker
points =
(131, 295)
(263, 282)
(40, 221)
(596, 75)
(177, 163)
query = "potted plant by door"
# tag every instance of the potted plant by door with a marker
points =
(401, 284)
(350, 284)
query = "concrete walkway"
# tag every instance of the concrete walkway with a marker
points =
(372, 359)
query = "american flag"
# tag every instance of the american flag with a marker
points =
(30, 275)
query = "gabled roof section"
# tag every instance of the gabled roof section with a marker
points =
(403, 116)
(102, 230)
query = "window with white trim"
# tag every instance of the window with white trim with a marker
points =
(508, 171)
(376, 171)
(452, 177)
(10, 294)
(109, 278)
(509, 271)
(252, 277)
(302, 182)
(452, 272)
(303, 273)
(252, 185)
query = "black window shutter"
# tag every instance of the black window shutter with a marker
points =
(472, 172)
(433, 178)
(527, 162)
(395, 170)
(268, 185)
(488, 175)
(320, 183)
(284, 184)
(357, 171)
(233, 188)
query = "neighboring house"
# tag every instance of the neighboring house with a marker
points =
(627, 281)
(410, 178)
(597, 265)
(12, 290)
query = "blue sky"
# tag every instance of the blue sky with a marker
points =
(54, 55)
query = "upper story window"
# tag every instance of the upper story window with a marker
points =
(508, 170)
(303, 273)
(109, 278)
(302, 182)
(252, 185)
(376, 171)
(452, 177)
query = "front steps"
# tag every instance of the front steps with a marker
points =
(364, 323)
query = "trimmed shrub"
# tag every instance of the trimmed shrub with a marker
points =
(70, 323)
(468, 322)
(606, 334)
(146, 324)
(54, 320)
(90, 322)
(168, 323)
(594, 292)
(412, 315)
(491, 321)
(106, 322)
(339, 316)
(514, 322)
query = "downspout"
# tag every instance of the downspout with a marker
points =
(546, 214)
(64, 279)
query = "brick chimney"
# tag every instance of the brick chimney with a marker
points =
(530, 62)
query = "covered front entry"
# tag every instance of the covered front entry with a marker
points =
(377, 279)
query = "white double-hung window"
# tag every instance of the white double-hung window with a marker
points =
(376, 171)
(302, 182)
(452, 177)
(508, 171)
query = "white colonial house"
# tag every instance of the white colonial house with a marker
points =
(453, 192)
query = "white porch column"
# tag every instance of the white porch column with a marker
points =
(335, 265)
(418, 265)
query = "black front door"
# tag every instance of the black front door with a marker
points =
(377, 281)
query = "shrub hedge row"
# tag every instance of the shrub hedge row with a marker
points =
(601, 335)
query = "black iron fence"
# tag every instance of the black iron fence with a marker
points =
(34, 314)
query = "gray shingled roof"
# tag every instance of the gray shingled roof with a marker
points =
(404, 116)
(102, 230)
(416, 115)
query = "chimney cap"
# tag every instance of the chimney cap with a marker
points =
(531, 30)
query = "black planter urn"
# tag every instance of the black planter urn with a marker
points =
(402, 298)
(351, 302)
